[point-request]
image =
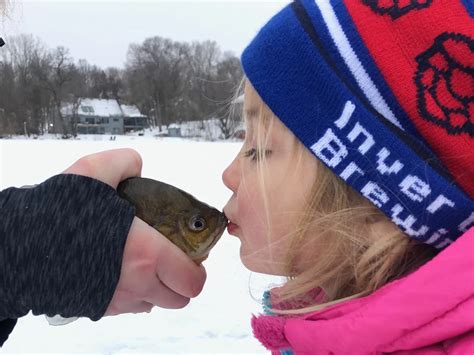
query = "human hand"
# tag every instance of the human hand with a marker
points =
(110, 166)
(154, 271)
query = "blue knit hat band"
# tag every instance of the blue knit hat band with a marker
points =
(377, 156)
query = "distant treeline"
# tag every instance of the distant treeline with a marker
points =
(168, 81)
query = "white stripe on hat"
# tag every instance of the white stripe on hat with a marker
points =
(352, 61)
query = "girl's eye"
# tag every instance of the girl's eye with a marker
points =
(255, 154)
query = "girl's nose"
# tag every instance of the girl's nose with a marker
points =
(230, 176)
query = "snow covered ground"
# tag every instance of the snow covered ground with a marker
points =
(218, 321)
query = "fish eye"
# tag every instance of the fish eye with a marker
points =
(197, 224)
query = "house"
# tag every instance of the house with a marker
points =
(104, 116)
(133, 119)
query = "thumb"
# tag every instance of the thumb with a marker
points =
(111, 166)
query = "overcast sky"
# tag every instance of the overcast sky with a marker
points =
(100, 31)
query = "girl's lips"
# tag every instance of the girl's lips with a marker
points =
(231, 227)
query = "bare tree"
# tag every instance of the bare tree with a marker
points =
(154, 75)
(27, 110)
(7, 99)
(61, 71)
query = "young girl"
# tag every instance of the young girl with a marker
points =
(356, 176)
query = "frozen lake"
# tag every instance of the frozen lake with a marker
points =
(218, 321)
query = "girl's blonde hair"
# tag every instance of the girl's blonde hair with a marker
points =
(356, 249)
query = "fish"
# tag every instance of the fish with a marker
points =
(192, 225)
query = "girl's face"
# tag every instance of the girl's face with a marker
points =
(268, 193)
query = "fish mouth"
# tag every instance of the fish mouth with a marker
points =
(222, 222)
(214, 237)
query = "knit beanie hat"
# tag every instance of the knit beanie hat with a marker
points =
(382, 92)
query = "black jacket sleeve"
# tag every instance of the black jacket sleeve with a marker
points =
(61, 248)
(6, 327)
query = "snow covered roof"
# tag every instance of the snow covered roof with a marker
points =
(99, 107)
(131, 111)
(102, 108)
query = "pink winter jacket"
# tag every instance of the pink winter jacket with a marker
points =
(431, 311)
